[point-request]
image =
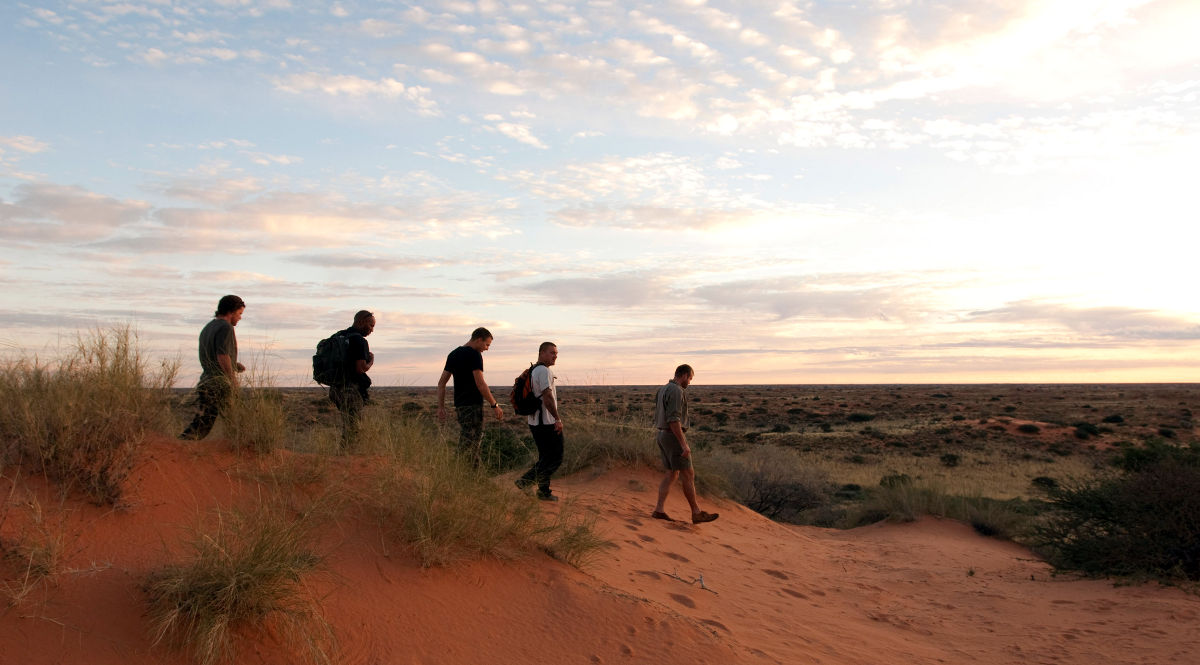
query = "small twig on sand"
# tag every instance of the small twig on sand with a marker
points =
(699, 580)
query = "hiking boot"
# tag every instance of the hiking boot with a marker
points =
(522, 483)
(547, 496)
(661, 516)
(702, 517)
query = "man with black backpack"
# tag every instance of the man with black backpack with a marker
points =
(544, 422)
(342, 363)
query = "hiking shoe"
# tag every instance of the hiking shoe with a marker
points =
(661, 516)
(702, 517)
(547, 496)
(522, 483)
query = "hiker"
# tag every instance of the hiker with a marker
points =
(465, 365)
(545, 425)
(351, 393)
(219, 367)
(671, 419)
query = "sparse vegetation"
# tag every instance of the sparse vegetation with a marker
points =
(82, 419)
(245, 571)
(1144, 521)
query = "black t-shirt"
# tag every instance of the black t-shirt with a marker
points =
(358, 350)
(462, 363)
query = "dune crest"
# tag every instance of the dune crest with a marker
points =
(931, 592)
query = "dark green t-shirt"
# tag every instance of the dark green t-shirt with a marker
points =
(216, 338)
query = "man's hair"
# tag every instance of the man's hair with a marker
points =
(227, 304)
(361, 316)
(685, 370)
(544, 346)
(481, 333)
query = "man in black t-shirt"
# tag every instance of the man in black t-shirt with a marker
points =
(465, 366)
(350, 396)
(219, 367)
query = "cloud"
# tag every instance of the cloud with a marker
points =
(1114, 322)
(344, 85)
(57, 213)
(370, 261)
(24, 144)
(619, 290)
(788, 298)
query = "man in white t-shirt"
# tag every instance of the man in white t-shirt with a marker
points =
(545, 425)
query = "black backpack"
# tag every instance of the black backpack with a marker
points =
(523, 401)
(329, 362)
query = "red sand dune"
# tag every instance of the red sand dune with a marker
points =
(773, 593)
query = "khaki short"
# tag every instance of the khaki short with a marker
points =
(672, 452)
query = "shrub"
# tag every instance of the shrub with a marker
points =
(1044, 483)
(1143, 522)
(503, 450)
(773, 481)
(82, 420)
(860, 417)
(1114, 419)
(950, 459)
(1028, 428)
(255, 420)
(1085, 430)
(895, 480)
(246, 572)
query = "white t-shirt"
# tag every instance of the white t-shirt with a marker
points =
(543, 377)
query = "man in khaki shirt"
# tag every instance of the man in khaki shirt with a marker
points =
(671, 419)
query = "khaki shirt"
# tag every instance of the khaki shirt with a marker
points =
(670, 405)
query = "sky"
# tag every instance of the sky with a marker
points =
(777, 191)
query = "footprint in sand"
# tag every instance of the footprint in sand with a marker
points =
(795, 594)
(731, 548)
(677, 557)
(715, 624)
(646, 539)
(775, 573)
(683, 600)
(648, 573)
(634, 543)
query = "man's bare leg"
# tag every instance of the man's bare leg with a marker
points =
(689, 488)
(664, 488)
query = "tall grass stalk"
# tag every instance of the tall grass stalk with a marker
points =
(247, 571)
(432, 501)
(255, 420)
(82, 419)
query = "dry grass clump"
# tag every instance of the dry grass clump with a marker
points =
(770, 481)
(255, 420)
(431, 500)
(247, 571)
(35, 553)
(598, 440)
(82, 419)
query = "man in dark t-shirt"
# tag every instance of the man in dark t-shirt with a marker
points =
(350, 395)
(219, 367)
(465, 366)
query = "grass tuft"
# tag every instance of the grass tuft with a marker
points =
(81, 420)
(247, 571)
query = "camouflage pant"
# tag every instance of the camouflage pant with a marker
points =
(212, 398)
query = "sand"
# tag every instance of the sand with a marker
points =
(929, 592)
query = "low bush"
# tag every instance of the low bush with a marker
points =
(503, 450)
(81, 420)
(1028, 428)
(1142, 522)
(772, 481)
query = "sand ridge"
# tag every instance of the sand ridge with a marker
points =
(928, 592)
